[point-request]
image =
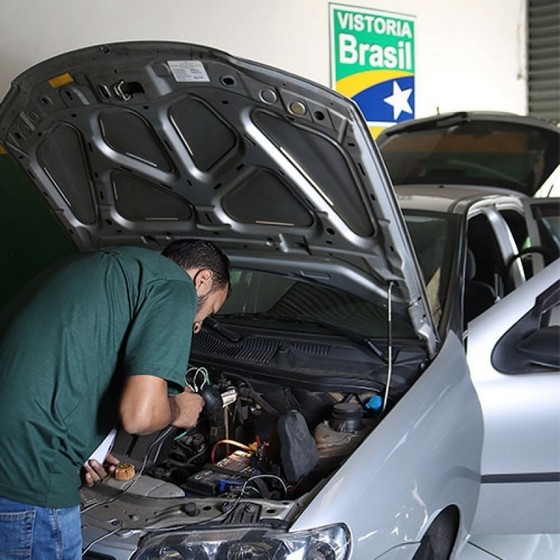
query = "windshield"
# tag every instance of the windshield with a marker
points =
(435, 242)
(266, 300)
(505, 155)
(272, 301)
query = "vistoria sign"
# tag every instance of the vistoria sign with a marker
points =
(372, 62)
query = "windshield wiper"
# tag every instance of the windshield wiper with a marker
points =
(217, 326)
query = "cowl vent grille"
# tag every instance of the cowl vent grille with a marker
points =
(250, 349)
(311, 348)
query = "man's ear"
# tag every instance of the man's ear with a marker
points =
(203, 279)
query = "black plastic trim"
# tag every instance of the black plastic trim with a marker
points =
(520, 477)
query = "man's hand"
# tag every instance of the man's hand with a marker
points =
(185, 408)
(93, 471)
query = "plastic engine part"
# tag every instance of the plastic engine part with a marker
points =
(298, 452)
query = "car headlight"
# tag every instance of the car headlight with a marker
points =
(326, 543)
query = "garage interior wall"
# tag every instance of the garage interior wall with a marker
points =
(470, 54)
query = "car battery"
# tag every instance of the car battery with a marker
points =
(227, 475)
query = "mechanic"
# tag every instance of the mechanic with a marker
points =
(99, 340)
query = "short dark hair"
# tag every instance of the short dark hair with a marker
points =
(199, 253)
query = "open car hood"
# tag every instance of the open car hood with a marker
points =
(141, 143)
(482, 148)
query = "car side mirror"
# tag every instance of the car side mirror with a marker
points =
(541, 346)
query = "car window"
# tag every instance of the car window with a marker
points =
(543, 218)
(517, 225)
(269, 300)
(490, 266)
(495, 236)
(433, 242)
(506, 155)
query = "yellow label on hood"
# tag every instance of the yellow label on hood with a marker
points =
(61, 80)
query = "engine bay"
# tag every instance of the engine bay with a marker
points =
(273, 431)
(254, 439)
(282, 412)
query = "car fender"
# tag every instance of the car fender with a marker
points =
(423, 457)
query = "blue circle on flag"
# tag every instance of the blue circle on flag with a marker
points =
(375, 101)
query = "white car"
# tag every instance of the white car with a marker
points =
(341, 421)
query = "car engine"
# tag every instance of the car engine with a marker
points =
(254, 438)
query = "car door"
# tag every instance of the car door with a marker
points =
(512, 351)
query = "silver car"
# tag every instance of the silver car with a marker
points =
(341, 418)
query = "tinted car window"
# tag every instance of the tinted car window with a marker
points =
(505, 155)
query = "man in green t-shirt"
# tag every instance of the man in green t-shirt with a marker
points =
(99, 340)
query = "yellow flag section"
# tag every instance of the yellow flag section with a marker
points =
(353, 85)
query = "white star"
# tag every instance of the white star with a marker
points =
(399, 100)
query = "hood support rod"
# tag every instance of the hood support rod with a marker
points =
(389, 345)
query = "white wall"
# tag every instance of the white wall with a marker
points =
(470, 54)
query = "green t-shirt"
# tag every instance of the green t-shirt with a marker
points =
(65, 348)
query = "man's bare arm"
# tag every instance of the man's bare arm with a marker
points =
(146, 407)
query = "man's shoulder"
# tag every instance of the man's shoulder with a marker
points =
(142, 253)
(151, 264)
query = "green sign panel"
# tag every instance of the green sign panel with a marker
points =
(372, 62)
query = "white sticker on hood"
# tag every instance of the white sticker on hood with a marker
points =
(188, 71)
